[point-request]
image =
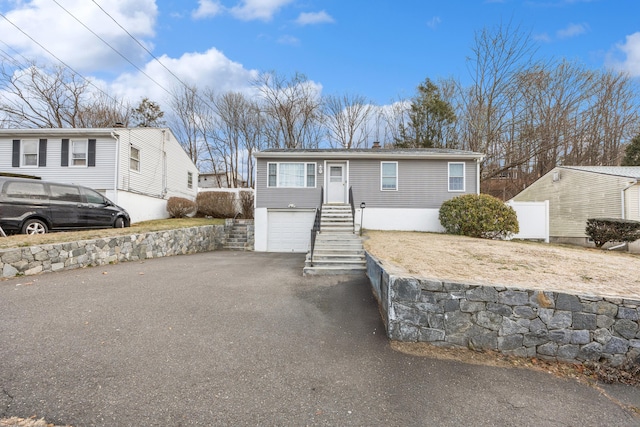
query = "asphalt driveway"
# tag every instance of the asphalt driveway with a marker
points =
(230, 338)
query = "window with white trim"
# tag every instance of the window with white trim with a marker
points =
(291, 175)
(134, 159)
(389, 176)
(456, 176)
(78, 153)
(189, 179)
(29, 152)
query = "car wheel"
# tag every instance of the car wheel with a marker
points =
(34, 226)
(119, 223)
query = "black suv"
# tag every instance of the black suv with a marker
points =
(35, 207)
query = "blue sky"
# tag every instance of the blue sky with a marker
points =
(376, 48)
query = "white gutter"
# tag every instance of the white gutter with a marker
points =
(370, 154)
(635, 181)
(117, 168)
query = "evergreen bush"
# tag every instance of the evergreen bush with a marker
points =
(604, 230)
(478, 215)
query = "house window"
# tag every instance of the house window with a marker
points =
(78, 153)
(291, 175)
(30, 152)
(456, 176)
(134, 159)
(189, 180)
(389, 176)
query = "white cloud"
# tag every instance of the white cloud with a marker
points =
(572, 30)
(542, 37)
(290, 40)
(210, 69)
(310, 18)
(626, 56)
(62, 34)
(434, 22)
(264, 10)
(207, 9)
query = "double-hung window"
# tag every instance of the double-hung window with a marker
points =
(134, 159)
(456, 176)
(389, 176)
(291, 175)
(189, 179)
(30, 152)
(78, 153)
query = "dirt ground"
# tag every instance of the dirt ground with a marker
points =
(559, 268)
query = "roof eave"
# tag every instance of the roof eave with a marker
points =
(382, 154)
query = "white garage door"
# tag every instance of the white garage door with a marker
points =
(289, 231)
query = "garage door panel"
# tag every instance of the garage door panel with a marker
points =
(289, 231)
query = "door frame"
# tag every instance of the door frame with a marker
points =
(345, 169)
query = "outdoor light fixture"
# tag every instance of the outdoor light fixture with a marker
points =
(362, 206)
(319, 169)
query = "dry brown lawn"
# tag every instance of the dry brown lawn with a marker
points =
(559, 268)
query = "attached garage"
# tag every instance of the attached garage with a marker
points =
(289, 230)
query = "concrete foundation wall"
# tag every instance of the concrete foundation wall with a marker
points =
(513, 321)
(133, 247)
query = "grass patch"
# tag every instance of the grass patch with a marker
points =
(22, 240)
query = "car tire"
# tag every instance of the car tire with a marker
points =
(119, 223)
(34, 226)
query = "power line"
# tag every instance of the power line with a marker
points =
(58, 59)
(114, 49)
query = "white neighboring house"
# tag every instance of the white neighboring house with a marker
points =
(137, 168)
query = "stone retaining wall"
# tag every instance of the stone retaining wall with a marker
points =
(109, 250)
(514, 321)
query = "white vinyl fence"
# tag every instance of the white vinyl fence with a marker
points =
(533, 218)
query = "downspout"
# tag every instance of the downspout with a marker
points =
(117, 167)
(164, 165)
(635, 181)
(478, 176)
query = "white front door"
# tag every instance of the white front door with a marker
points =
(336, 187)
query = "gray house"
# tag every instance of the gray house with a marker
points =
(401, 189)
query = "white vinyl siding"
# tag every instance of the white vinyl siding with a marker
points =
(389, 176)
(456, 176)
(291, 175)
(29, 155)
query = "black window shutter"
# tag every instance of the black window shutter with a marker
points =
(91, 161)
(64, 161)
(42, 153)
(15, 158)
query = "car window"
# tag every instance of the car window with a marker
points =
(93, 196)
(65, 193)
(26, 190)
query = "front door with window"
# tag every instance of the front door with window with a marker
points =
(337, 183)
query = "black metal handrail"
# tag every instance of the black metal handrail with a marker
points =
(316, 225)
(353, 209)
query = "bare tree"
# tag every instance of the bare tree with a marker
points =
(185, 119)
(55, 98)
(346, 118)
(291, 108)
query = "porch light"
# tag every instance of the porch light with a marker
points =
(362, 206)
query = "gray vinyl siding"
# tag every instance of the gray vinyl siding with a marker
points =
(270, 197)
(100, 177)
(422, 184)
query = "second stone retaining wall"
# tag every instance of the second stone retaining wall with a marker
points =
(133, 247)
(514, 321)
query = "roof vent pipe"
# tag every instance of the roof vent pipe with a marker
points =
(375, 146)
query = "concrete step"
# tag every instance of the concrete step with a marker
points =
(335, 270)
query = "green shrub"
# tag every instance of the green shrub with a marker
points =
(603, 230)
(179, 207)
(216, 204)
(246, 203)
(478, 215)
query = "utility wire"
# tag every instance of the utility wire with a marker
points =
(114, 49)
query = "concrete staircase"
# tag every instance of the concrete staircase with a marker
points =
(237, 237)
(338, 250)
